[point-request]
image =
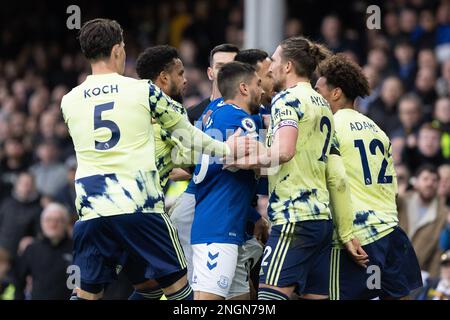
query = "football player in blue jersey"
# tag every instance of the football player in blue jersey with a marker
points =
(224, 196)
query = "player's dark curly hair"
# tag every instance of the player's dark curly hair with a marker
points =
(97, 38)
(154, 60)
(343, 73)
(230, 75)
(304, 54)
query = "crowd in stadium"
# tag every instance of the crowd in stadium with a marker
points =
(407, 63)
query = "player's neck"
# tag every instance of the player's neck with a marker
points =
(292, 80)
(102, 67)
(343, 104)
(215, 93)
(241, 104)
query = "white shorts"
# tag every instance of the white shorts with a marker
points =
(182, 216)
(214, 267)
(248, 255)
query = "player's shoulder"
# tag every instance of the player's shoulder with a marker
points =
(231, 115)
(285, 96)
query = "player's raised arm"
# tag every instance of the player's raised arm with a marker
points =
(162, 110)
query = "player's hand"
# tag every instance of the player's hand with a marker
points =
(240, 146)
(250, 161)
(261, 230)
(357, 253)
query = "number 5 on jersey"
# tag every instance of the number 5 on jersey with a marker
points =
(109, 124)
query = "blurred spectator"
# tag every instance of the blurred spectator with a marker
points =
(66, 195)
(7, 288)
(384, 109)
(422, 214)
(15, 160)
(443, 31)
(442, 121)
(19, 214)
(427, 59)
(378, 59)
(444, 181)
(50, 175)
(406, 64)
(438, 288)
(424, 36)
(331, 33)
(398, 143)
(410, 114)
(444, 238)
(408, 21)
(426, 149)
(425, 87)
(443, 83)
(373, 78)
(403, 178)
(293, 28)
(46, 259)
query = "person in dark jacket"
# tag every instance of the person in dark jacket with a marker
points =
(384, 110)
(46, 260)
(66, 195)
(218, 56)
(426, 150)
(19, 214)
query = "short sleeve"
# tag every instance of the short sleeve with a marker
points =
(287, 110)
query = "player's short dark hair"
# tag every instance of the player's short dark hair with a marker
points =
(426, 168)
(225, 47)
(231, 75)
(304, 54)
(343, 73)
(98, 36)
(154, 60)
(251, 56)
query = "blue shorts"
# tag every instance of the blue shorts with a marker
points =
(298, 254)
(392, 257)
(102, 245)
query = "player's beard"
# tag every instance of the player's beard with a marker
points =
(254, 106)
(175, 94)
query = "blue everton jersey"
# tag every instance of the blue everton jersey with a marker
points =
(210, 108)
(223, 197)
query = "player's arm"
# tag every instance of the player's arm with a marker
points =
(180, 174)
(337, 184)
(286, 114)
(162, 109)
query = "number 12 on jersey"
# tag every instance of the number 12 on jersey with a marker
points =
(373, 146)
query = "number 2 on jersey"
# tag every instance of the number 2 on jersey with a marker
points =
(111, 125)
(373, 146)
(325, 122)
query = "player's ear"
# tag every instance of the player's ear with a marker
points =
(115, 51)
(243, 88)
(210, 73)
(288, 66)
(164, 77)
(337, 93)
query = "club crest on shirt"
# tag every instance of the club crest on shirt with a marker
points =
(223, 282)
(248, 124)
